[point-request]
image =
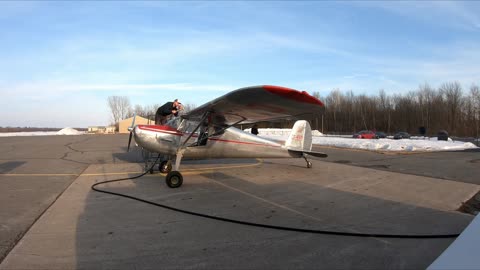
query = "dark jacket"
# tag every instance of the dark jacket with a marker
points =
(165, 109)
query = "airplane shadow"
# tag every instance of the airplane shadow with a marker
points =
(114, 232)
(133, 156)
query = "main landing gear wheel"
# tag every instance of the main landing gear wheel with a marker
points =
(174, 179)
(165, 166)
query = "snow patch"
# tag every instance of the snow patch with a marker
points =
(416, 144)
(65, 131)
(69, 131)
(28, 133)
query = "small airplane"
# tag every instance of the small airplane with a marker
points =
(208, 131)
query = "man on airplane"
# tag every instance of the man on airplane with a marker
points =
(167, 109)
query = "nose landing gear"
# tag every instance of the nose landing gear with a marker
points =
(174, 179)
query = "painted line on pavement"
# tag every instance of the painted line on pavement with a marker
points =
(186, 171)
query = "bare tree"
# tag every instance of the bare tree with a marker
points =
(453, 94)
(119, 107)
(140, 110)
(317, 126)
(385, 109)
(475, 101)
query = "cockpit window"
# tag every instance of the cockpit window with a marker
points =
(187, 126)
(174, 122)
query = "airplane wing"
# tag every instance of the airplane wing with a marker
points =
(257, 103)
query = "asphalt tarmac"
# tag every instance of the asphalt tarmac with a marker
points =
(51, 219)
(460, 166)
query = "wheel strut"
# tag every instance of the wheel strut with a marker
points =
(309, 164)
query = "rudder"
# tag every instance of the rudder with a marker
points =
(300, 139)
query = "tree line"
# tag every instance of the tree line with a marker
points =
(447, 107)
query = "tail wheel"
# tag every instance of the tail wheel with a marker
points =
(165, 166)
(174, 179)
(309, 164)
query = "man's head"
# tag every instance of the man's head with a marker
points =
(177, 104)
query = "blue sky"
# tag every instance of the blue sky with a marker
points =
(59, 61)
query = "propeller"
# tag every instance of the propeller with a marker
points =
(131, 132)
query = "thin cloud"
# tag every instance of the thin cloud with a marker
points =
(463, 15)
(355, 76)
(46, 89)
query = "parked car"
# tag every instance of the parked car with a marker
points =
(401, 135)
(380, 134)
(365, 134)
(442, 135)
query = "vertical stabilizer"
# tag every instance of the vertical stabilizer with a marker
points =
(301, 137)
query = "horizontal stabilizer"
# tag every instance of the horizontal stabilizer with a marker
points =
(312, 153)
(316, 154)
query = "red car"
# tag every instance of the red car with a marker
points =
(365, 134)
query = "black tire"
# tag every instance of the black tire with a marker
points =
(309, 164)
(165, 166)
(174, 179)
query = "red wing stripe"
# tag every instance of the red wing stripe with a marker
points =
(292, 94)
(159, 127)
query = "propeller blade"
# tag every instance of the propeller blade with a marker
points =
(129, 141)
(133, 123)
(131, 131)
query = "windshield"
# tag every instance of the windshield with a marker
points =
(174, 122)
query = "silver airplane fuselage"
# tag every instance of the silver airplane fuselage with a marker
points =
(231, 143)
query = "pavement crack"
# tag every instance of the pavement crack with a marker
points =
(73, 150)
(69, 146)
